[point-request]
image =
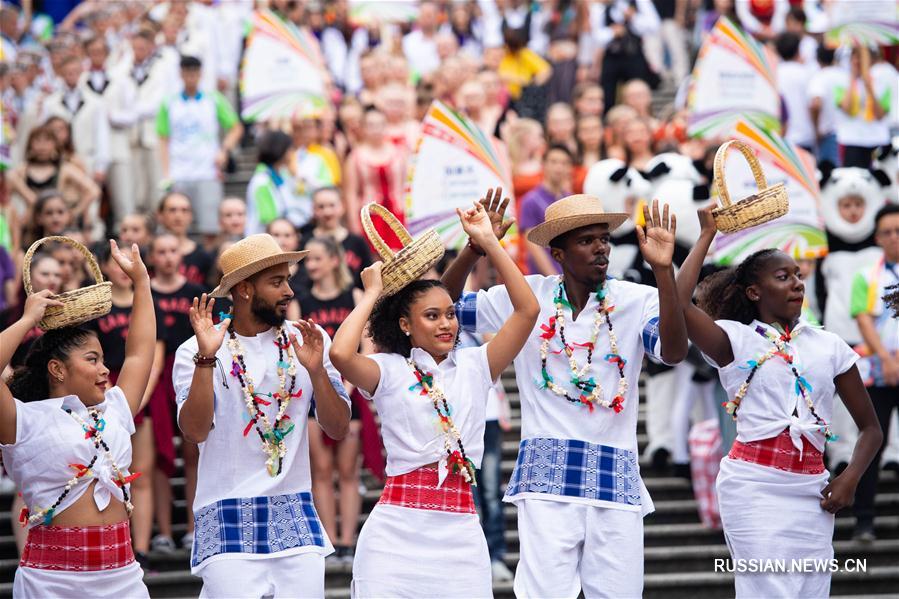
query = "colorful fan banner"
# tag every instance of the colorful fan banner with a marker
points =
(282, 72)
(734, 79)
(799, 233)
(370, 12)
(453, 165)
(863, 22)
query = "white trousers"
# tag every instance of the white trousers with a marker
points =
(301, 576)
(670, 37)
(120, 183)
(126, 582)
(842, 424)
(567, 547)
(146, 175)
(661, 391)
(689, 393)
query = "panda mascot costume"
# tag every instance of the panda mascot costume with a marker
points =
(856, 193)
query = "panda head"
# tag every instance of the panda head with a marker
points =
(669, 167)
(855, 193)
(621, 188)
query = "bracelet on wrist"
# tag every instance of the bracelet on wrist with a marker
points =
(204, 361)
(480, 252)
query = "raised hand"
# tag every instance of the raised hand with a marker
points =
(371, 278)
(37, 304)
(209, 338)
(495, 206)
(311, 353)
(131, 262)
(656, 237)
(477, 224)
(708, 228)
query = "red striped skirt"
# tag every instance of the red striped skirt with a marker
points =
(779, 452)
(78, 548)
(418, 490)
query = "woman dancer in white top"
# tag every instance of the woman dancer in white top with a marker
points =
(780, 374)
(423, 538)
(70, 454)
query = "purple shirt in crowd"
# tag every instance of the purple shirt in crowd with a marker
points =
(533, 208)
(7, 273)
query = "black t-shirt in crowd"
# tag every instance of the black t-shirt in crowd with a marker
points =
(356, 254)
(174, 308)
(665, 8)
(197, 266)
(327, 314)
(112, 331)
(8, 318)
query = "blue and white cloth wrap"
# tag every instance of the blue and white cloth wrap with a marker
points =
(577, 469)
(256, 525)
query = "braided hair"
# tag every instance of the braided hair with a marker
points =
(723, 294)
(31, 381)
(891, 299)
(384, 322)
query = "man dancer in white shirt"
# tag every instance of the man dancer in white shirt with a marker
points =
(257, 532)
(576, 482)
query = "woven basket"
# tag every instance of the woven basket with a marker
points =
(79, 305)
(765, 205)
(411, 262)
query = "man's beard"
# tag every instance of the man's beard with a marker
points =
(266, 313)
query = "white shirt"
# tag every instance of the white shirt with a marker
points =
(232, 465)
(823, 86)
(421, 52)
(48, 440)
(544, 414)
(855, 130)
(793, 80)
(409, 425)
(767, 408)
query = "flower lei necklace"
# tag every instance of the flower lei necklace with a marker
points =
(801, 386)
(92, 432)
(272, 437)
(458, 462)
(590, 391)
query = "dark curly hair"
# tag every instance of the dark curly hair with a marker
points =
(31, 381)
(722, 295)
(384, 322)
(891, 299)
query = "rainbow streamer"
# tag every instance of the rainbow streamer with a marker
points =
(729, 36)
(267, 23)
(448, 126)
(773, 148)
(867, 33)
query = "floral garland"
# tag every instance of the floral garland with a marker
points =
(457, 461)
(590, 391)
(272, 437)
(801, 387)
(92, 432)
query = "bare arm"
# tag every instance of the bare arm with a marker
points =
(840, 492)
(164, 156)
(358, 369)
(155, 372)
(141, 343)
(656, 241)
(90, 191)
(331, 411)
(509, 340)
(457, 273)
(351, 194)
(708, 336)
(10, 339)
(195, 418)
(17, 185)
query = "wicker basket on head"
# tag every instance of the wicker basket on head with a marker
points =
(765, 205)
(79, 305)
(411, 262)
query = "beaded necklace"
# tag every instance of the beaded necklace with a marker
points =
(590, 392)
(92, 432)
(272, 437)
(458, 462)
(801, 386)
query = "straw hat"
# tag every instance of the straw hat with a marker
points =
(247, 257)
(573, 212)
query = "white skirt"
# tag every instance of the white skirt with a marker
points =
(126, 582)
(770, 514)
(407, 552)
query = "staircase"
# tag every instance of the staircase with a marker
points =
(679, 554)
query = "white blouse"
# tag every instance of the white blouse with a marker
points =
(767, 409)
(48, 439)
(410, 427)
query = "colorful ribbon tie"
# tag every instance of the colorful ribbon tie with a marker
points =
(127, 480)
(80, 470)
(282, 345)
(750, 364)
(48, 516)
(259, 400)
(23, 516)
(283, 365)
(424, 380)
(618, 404)
(615, 359)
(296, 395)
(549, 330)
(224, 315)
(586, 401)
(249, 427)
(803, 387)
(236, 370)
